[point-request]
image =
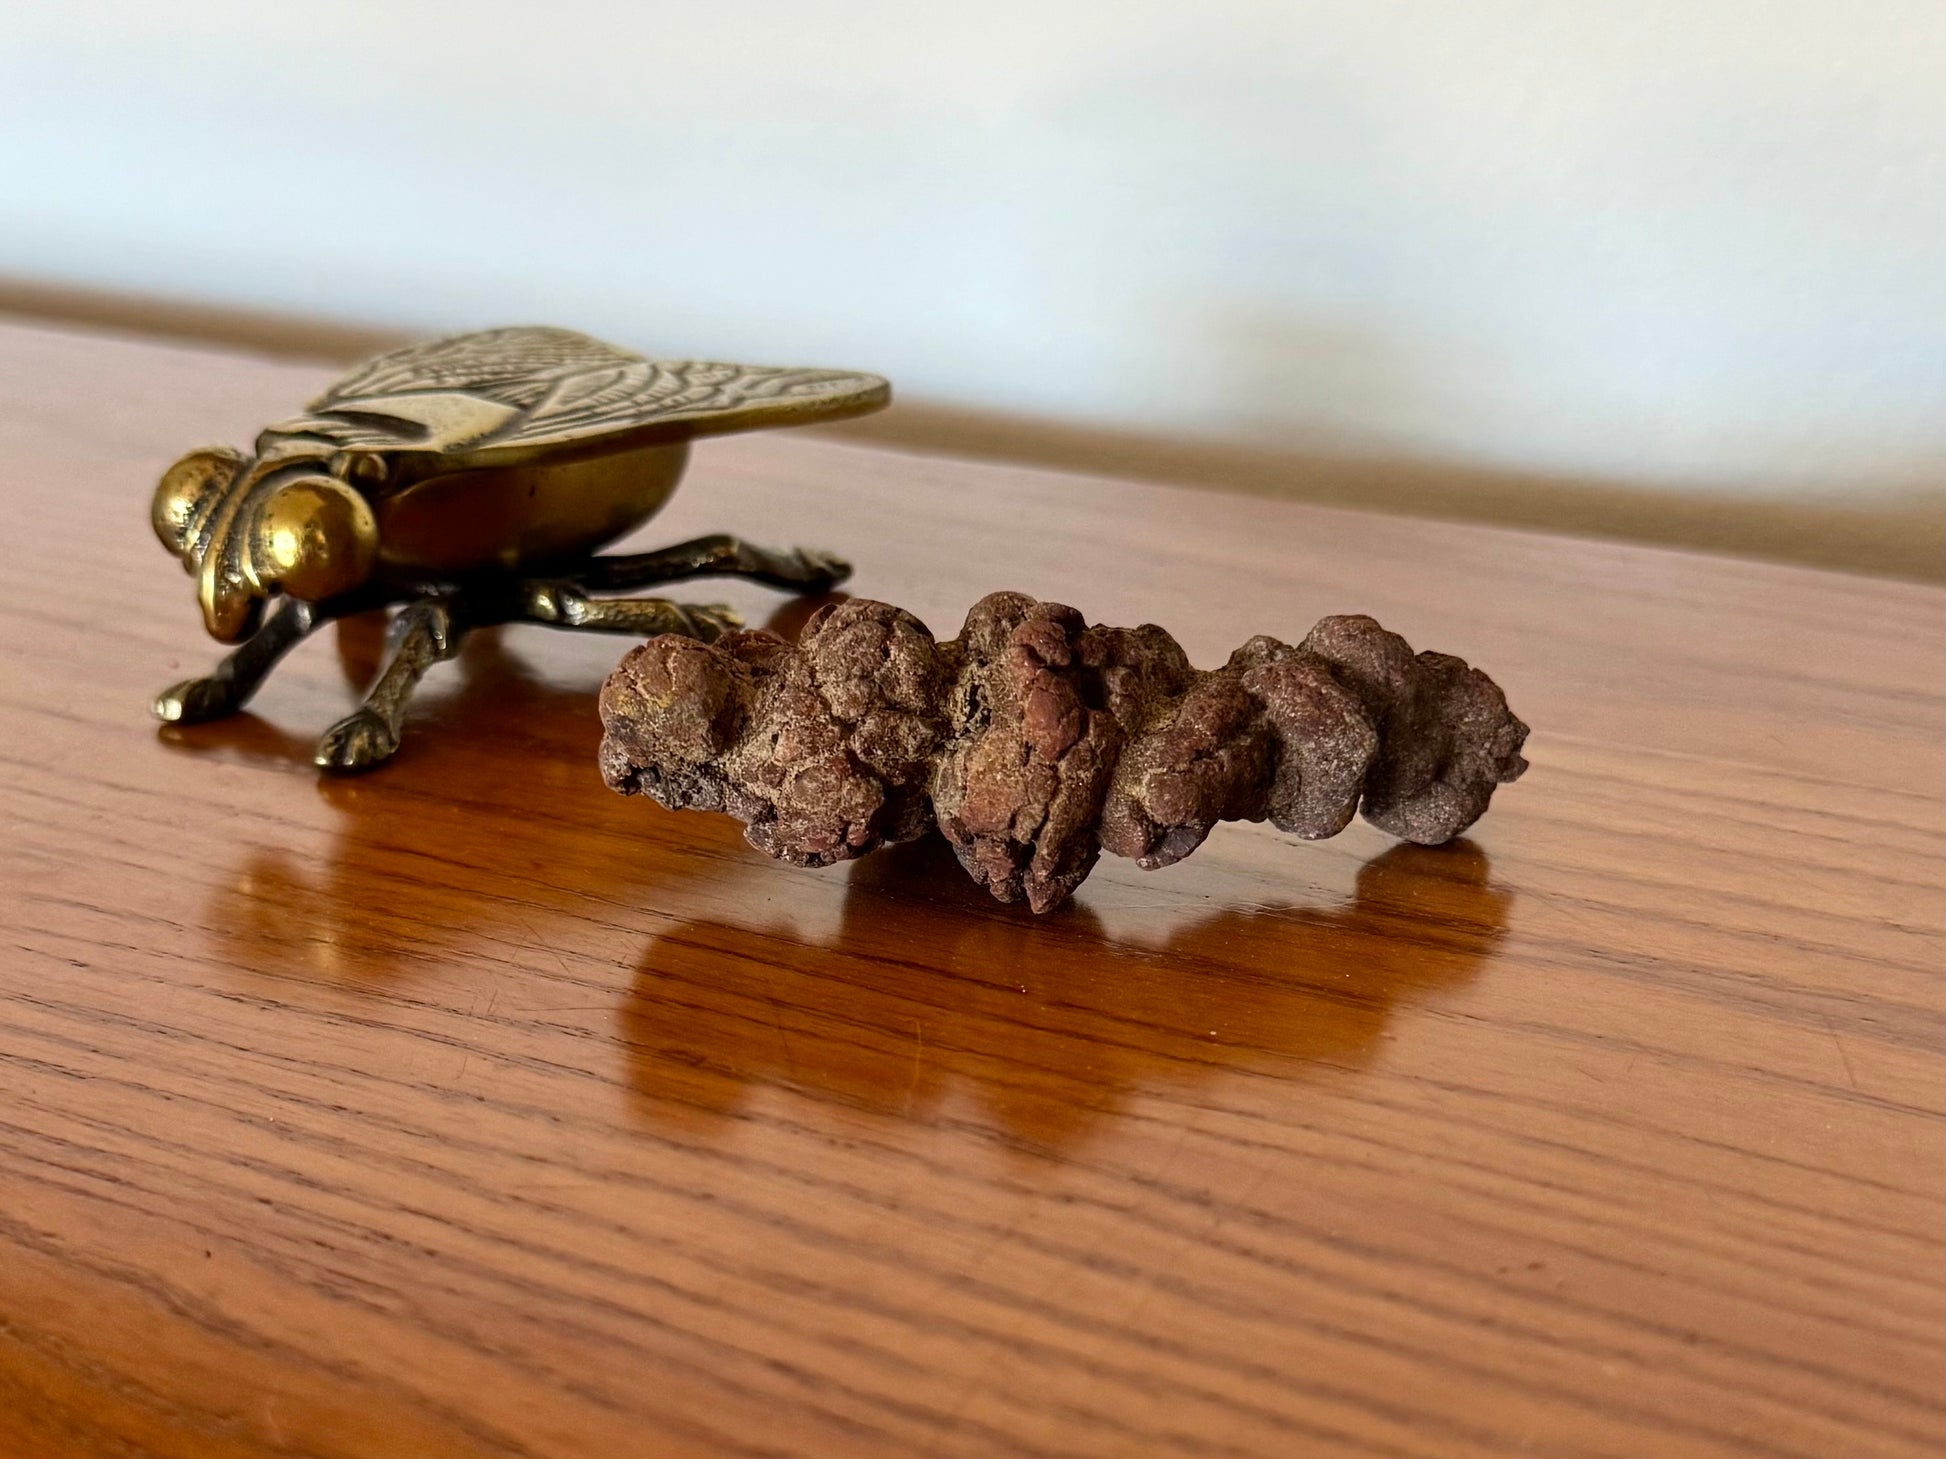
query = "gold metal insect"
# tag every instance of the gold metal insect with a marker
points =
(471, 479)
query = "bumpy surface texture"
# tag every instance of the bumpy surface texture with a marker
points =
(1033, 742)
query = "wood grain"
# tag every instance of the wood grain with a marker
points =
(469, 1109)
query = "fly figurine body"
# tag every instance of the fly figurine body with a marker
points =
(472, 481)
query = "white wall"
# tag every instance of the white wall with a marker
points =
(1694, 243)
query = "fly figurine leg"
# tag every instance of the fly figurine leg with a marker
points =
(427, 631)
(228, 687)
(566, 602)
(794, 569)
(561, 603)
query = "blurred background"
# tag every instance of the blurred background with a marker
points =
(1672, 272)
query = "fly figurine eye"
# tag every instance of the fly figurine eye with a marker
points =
(466, 482)
(313, 538)
(186, 493)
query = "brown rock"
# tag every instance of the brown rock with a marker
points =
(1033, 741)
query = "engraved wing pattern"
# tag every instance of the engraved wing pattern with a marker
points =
(507, 389)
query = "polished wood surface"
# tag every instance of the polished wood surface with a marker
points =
(469, 1109)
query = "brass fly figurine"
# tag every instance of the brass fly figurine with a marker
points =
(471, 480)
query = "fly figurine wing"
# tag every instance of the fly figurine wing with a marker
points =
(526, 392)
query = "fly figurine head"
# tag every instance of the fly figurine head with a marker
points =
(247, 528)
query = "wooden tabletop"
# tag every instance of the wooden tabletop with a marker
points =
(470, 1109)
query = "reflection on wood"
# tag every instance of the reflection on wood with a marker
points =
(926, 992)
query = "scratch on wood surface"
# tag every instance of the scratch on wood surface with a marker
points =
(1844, 1058)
